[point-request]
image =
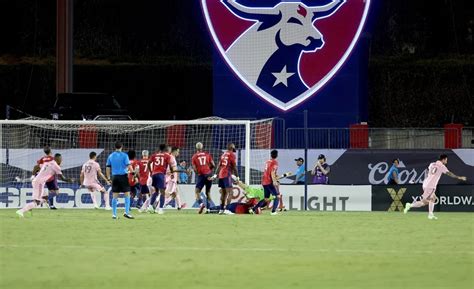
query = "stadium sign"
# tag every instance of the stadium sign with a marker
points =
(328, 197)
(285, 51)
(451, 198)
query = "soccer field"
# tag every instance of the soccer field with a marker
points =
(87, 249)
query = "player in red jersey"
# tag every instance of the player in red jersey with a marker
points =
(270, 183)
(143, 178)
(227, 166)
(203, 164)
(52, 183)
(133, 177)
(158, 165)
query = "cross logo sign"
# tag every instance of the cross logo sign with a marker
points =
(397, 199)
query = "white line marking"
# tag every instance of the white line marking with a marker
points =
(252, 249)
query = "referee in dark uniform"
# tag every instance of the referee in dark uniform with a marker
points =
(119, 164)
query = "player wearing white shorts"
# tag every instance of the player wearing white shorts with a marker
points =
(47, 171)
(435, 170)
(89, 172)
(172, 179)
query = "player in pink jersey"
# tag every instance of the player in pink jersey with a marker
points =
(435, 170)
(52, 183)
(89, 172)
(48, 170)
(226, 167)
(172, 179)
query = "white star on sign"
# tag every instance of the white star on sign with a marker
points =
(282, 77)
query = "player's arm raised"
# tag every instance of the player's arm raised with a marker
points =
(450, 174)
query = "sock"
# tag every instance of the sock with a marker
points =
(275, 204)
(431, 205)
(140, 200)
(178, 201)
(94, 201)
(29, 206)
(127, 205)
(153, 198)
(260, 204)
(51, 199)
(146, 204)
(417, 204)
(281, 205)
(114, 206)
(162, 200)
(106, 199)
(167, 200)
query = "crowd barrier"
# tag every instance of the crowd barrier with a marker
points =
(451, 198)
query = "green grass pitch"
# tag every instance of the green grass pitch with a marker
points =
(87, 249)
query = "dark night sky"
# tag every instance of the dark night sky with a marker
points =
(137, 50)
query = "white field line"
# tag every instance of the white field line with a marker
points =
(230, 249)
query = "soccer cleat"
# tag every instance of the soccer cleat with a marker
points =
(96, 207)
(274, 214)
(251, 212)
(150, 210)
(432, 217)
(202, 208)
(20, 214)
(108, 208)
(407, 208)
(114, 217)
(160, 211)
(140, 210)
(221, 212)
(227, 212)
(128, 216)
(53, 208)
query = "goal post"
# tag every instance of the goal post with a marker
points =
(22, 143)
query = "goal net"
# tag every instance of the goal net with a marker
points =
(22, 143)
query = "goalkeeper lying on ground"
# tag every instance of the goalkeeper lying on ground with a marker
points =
(246, 203)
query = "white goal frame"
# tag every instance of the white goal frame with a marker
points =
(246, 123)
